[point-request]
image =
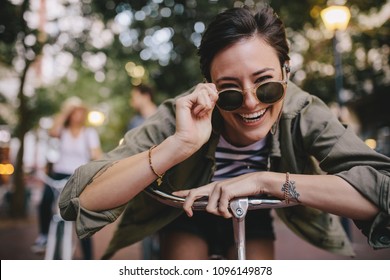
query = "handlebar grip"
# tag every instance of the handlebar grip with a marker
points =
(254, 202)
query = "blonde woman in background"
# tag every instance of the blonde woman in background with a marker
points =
(78, 144)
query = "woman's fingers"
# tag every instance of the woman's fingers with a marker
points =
(193, 116)
(205, 98)
(223, 206)
(182, 193)
(220, 194)
(192, 195)
(219, 202)
(189, 202)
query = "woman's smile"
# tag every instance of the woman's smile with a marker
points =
(253, 118)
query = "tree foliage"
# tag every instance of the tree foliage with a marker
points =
(162, 36)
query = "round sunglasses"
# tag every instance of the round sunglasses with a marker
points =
(268, 92)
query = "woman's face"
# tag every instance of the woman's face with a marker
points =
(242, 66)
(78, 116)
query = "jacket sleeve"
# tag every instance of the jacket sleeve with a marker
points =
(342, 153)
(152, 132)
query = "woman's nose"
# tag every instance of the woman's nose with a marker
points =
(250, 100)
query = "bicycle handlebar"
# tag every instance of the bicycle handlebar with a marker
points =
(254, 202)
(55, 184)
(238, 206)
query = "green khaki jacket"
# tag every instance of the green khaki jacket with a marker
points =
(309, 140)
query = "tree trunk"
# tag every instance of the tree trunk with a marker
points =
(19, 193)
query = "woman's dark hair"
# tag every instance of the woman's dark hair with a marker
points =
(236, 24)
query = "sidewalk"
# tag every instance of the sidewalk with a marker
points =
(17, 236)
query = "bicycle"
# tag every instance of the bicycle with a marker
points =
(60, 243)
(238, 206)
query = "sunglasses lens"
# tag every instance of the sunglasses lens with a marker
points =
(230, 100)
(270, 92)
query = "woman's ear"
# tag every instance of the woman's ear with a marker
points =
(287, 67)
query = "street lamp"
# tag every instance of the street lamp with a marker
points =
(336, 18)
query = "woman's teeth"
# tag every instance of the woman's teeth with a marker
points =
(253, 116)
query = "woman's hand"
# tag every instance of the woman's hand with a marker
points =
(220, 193)
(193, 116)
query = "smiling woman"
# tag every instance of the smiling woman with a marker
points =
(248, 130)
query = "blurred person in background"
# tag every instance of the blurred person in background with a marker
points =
(247, 130)
(141, 100)
(77, 145)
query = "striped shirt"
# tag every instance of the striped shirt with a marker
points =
(233, 161)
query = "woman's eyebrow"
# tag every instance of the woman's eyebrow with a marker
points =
(227, 78)
(259, 72)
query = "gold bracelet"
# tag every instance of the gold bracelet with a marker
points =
(160, 176)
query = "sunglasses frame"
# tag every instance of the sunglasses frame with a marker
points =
(285, 70)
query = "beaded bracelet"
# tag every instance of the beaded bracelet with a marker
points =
(160, 176)
(286, 187)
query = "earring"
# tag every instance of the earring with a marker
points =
(274, 128)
